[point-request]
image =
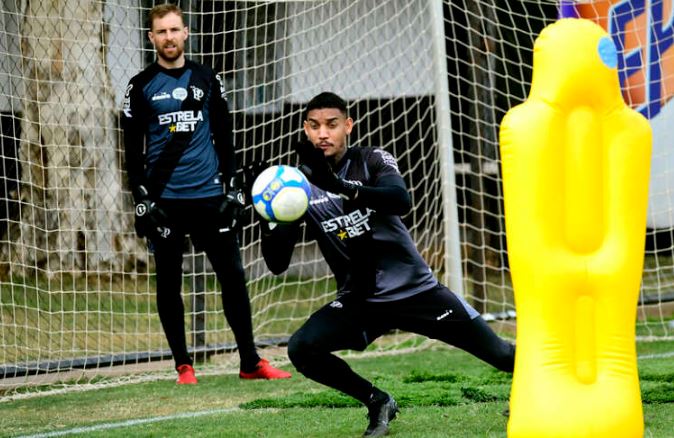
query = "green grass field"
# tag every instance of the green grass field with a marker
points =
(442, 392)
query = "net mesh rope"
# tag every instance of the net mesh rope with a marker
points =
(77, 286)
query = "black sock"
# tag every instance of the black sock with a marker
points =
(377, 397)
(249, 362)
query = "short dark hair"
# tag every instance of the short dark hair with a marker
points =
(160, 11)
(326, 99)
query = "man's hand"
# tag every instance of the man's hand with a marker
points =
(231, 209)
(250, 173)
(317, 169)
(150, 220)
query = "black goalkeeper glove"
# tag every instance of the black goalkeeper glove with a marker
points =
(250, 173)
(232, 207)
(318, 171)
(150, 220)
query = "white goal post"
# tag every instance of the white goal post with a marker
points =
(429, 81)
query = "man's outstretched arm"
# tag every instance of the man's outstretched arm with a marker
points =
(278, 244)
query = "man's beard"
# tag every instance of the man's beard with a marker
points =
(162, 54)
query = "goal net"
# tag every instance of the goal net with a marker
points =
(429, 81)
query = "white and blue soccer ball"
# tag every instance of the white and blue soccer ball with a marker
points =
(281, 194)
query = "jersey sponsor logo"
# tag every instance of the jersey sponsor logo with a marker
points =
(179, 93)
(160, 96)
(336, 304)
(126, 105)
(388, 159)
(197, 93)
(181, 121)
(349, 225)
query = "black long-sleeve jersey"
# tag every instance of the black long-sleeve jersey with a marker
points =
(365, 243)
(185, 104)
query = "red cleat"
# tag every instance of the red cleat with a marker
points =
(186, 375)
(265, 371)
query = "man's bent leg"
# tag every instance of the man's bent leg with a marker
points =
(331, 328)
(478, 339)
(440, 314)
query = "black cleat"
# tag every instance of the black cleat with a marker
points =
(380, 414)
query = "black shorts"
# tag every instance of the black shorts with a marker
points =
(198, 218)
(353, 323)
(350, 323)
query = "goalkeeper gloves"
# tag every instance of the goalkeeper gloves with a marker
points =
(150, 220)
(318, 171)
(250, 173)
(231, 209)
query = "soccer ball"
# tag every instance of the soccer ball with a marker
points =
(281, 194)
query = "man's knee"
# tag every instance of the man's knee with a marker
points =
(300, 348)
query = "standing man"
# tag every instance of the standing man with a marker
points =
(358, 196)
(179, 155)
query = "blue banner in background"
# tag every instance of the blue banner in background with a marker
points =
(643, 33)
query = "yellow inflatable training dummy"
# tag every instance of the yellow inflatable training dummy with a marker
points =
(576, 164)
